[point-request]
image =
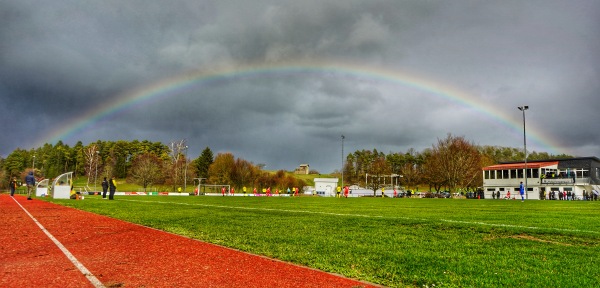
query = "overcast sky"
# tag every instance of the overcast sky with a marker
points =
(389, 75)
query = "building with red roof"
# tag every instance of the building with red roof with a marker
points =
(579, 177)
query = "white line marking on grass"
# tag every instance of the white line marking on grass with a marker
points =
(520, 226)
(266, 209)
(375, 216)
(62, 248)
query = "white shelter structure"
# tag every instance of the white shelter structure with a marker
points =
(62, 186)
(42, 188)
(326, 186)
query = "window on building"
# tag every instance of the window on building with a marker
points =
(505, 174)
(519, 173)
(499, 174)
(536, 173)
(492, 174)
(513, 174)
(486, 174)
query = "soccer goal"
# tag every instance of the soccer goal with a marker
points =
(213, 189)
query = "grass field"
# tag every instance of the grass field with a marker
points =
(392, 242)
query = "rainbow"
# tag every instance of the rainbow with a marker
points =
(170, 87)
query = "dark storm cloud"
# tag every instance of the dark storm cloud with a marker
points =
(60, 59)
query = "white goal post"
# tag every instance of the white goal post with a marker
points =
(213, 189)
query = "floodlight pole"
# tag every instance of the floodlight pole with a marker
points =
(343, 160)
(523, 108)
(185, 171)
(33, 165)
(96, 176)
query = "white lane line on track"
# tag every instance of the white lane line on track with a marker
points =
(377, 216)
(62, 248)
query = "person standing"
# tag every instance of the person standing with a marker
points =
(13, 186)
(30, 181)
(113, 188)
(104, 188)
(346, 191)
(522, 191)
(560, 195)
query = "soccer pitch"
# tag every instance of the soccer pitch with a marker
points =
(392, 242)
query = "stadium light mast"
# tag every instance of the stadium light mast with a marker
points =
(96, 176)
(523, 108)
(185, 171)
(343, 137)
(33, 165)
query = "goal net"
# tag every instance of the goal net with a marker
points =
(204, 189)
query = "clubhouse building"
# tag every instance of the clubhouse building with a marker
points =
(579, 176)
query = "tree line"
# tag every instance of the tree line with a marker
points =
(453, 163)
(148, 164)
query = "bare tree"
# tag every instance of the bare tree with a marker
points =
(454, 162)
(431, 172)
(176, 149)
(146, 169)
(91, 161)
(244, 171)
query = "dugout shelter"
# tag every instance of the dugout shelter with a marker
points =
(62, 186)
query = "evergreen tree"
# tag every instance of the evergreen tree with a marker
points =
(203, 162)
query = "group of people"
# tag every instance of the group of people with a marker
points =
(497, 195)
(346, 190)
(29, 181)
(567, 195)
(557, 195)
(265, 191)
(109, 185)
(590, 196)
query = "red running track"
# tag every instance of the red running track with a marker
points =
(99, 251)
